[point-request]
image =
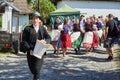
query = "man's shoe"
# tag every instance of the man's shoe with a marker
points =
(76, 52)
(54, 51)
(45, 53)
(109, 58)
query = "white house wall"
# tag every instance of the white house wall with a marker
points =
(88, 8)
(6, 19)
(23, 20)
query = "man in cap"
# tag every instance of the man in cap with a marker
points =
(31, 34)
(110, 36)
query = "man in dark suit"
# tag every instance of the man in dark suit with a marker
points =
(31, 34)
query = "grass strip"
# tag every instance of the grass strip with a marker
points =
(117, 58)
(5, 52)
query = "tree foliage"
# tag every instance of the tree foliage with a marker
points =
(55, 1)
(0, 21)
(46, 6)
(29, 1)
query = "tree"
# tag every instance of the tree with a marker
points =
(29, 1)
(45, 7)
(55, 1)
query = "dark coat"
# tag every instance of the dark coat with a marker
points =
(30, 36)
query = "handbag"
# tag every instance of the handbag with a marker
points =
(24, 46)
(116, 30)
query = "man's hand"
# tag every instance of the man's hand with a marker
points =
(42, 41)
(31, 52)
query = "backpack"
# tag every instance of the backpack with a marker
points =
(116, 30)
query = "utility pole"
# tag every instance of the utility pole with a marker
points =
(39, 6)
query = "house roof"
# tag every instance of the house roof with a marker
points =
(4, 3)
(23, 6)
(18, 5)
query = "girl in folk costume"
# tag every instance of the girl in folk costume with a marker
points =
(76, 31)
(75, 36)
(65, 37)
(90, 38)
(100, 29)
(96, 40)
(56, 34)
(58, 43)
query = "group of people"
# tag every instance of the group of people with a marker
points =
(89, 32)
(73, 32)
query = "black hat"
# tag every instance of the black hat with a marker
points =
(82, 16)
(36, 14)
(110, 15)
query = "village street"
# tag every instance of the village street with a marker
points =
(15, 15)
(73, 67)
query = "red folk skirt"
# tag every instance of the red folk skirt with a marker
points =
(66, 40)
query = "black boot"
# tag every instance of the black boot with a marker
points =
(76, 52)
(45, 53)
(54, 51)
(109, 58)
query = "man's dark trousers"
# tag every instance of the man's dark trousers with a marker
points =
(35, 65)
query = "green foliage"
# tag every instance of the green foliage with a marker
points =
(0, 22)
(46, 6)
(29, 1)
(55, 1)
(25, 25)
(5, 52)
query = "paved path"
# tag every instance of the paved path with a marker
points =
(73, 67)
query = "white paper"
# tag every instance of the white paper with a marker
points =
(39, 49)
(55, 35)
(60, 26)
